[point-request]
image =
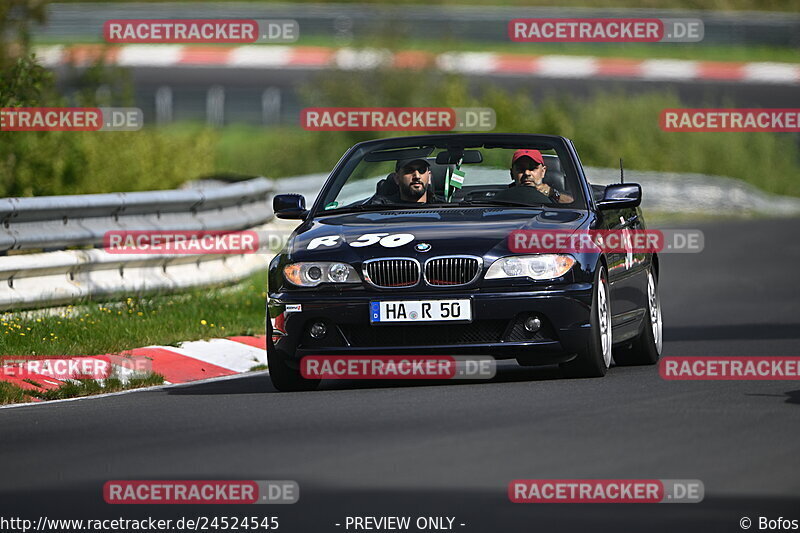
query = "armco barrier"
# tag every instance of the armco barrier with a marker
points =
(345, 21)
(58, 222)
(54, 274)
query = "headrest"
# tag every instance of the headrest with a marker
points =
(438, 175)
(387, 187)
(555, 174)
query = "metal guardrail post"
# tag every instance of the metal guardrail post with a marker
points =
(163, 105)
(271, 106)
(215, 106)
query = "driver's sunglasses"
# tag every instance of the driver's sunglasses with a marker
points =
(422, 169)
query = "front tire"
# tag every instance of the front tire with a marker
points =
(646, 348)
(593, 361)
(285, 378)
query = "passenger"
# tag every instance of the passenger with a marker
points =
(528, 170)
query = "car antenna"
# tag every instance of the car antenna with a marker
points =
(621, 172)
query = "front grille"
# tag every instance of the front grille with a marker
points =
(391, 273)
(479, 332)
(448, 271)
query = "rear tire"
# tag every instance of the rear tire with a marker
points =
(287, 379)
(646, 348)
(594, 360)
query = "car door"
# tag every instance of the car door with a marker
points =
(627, 272)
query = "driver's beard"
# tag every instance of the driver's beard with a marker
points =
(414, 194)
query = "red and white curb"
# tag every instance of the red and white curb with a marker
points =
(190, 361)
(543, 66)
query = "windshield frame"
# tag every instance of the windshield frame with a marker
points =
(350, 160)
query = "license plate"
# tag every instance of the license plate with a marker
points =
(421, 311)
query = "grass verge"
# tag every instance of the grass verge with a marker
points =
(100, 328)
(10, 394)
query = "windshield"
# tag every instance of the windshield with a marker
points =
(429, 176)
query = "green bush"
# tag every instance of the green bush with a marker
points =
(54, 163)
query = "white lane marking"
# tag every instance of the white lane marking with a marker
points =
(772, 72)
(350, 59)
(669, 69)
(566, 67)
(260, 56)
(49, 56)
(232, 355)
(467, 61)
(143, 55)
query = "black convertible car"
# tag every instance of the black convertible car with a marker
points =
(406, 251)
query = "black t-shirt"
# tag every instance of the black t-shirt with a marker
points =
(523, 195)
(395, 199)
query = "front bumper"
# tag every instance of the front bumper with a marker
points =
(496, 327)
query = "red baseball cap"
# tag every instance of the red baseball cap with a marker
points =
(536, 155)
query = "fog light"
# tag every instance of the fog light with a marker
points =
(318, 330)
(533, 324)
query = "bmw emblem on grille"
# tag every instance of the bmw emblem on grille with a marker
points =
(423, 247)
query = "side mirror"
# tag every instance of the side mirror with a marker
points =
(289, 206)
(620, 196)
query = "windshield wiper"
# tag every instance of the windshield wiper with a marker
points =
(497, 202)
(368, 207)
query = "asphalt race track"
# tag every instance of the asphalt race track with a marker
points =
(450, 449)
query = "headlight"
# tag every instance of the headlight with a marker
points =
(312, 274)
(538, 266)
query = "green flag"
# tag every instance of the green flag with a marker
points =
(457, 179)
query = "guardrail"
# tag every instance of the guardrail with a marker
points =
(57, 222)
(480, 23)
(52, 224)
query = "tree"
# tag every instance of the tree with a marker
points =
(23, 82)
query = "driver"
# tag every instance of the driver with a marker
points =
(412, 179)
(527, 170)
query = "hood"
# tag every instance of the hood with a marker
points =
(471, 231)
